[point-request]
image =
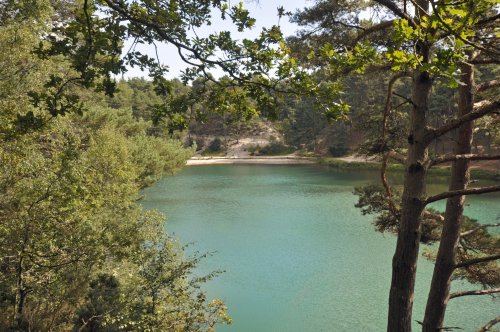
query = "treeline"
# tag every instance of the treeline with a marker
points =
(300, 123)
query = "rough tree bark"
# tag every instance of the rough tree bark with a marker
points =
(450, 236)
(404, 263)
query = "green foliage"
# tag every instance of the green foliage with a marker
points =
(74, 234)
(338, 150)
(479, 243)
(88, 37)
(200, 143)
(476, 242)
(275, 148)
(103, 299)
(215, 145)
(70, 222)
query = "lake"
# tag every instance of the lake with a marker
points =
(298, 256)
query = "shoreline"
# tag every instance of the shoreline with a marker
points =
(350, 162)
(272, 160)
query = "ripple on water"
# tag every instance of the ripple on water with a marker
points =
(298, 256)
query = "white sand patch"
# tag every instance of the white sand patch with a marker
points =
(279, 160)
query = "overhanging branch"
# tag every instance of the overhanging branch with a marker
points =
(389, 4)
(485, 61)
(475, 292)
(446, 159)
(479, 260)
(366, 32)
(454, 193)
(397, 156)
(488, 85)
(480, 109)
(489, 325)
(474, 230)
(387, 108)
(434, 216)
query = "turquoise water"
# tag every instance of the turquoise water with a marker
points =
(297, 255)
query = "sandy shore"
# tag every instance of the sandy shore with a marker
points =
(358, 159)
(275, 160)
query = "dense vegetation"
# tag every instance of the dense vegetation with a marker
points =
(77, 146)
(78, 252)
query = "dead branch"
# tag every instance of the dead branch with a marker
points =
(366, 32)
(397, 156)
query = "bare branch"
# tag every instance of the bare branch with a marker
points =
(485, 61)
(481, 109)
(487, 20)
(405, 98)
(434, 216)
(472, 231)
(444, 328)
(387, 186)
(387, 108)
(389, 4)
(488, 85)
(366, 32)
(453, 193)
(489, 325)
(475, 292)
(474, 261)
(397, 156)
(445, 159)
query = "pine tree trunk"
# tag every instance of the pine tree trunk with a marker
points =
(404, 263)
(446, 256)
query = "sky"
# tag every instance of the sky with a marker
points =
(264, 11)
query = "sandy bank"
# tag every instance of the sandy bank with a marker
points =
(275, 160)
(358, 159)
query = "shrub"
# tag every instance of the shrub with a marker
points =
(200, 143)
(275, 148)
(338, 151)
(253, 149)
(188, 142)
(215, 145)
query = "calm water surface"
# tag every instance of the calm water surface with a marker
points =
(298, 256)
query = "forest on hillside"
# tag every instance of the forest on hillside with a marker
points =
(414, 83)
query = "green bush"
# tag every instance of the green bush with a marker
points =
(200, 143)
(215, 145)
(276, 149)
(338, 151)
(253, 149)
